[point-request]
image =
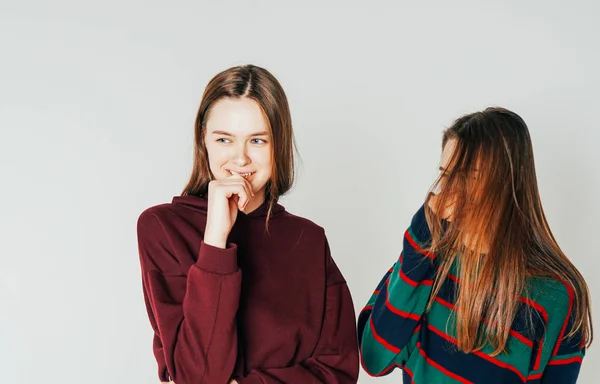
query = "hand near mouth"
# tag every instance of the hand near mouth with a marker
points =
(225, 198)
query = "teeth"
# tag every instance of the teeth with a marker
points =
(244, 175)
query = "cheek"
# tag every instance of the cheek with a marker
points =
(475, 190)
(216, 157)
(262, 157)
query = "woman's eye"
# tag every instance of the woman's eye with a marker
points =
(258, 141)
(223, 140)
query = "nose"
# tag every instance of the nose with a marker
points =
(241, 158)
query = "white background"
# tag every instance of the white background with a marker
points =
(97, 103)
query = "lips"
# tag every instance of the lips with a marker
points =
(245, 175)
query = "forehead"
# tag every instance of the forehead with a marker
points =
(447, 153)
(237, 116)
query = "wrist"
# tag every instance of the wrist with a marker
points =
(215, 240)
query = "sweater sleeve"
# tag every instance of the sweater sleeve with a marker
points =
(335, 358)
(394, 311)
(193, 316)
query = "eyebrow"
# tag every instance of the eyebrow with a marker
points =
(225, 133)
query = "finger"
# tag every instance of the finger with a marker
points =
(245, 182)
(249, 187)
(241, 194)
(247, 190)
(244, 198)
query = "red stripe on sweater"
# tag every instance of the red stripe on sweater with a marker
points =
(407, 280)
(478, 353)
(388, 304)
(564, 327)
(442, 369)
(576, 359)
(535, 377)
(416, 246)
(531, 303)
(514, 333)
(444, 303)
(410, 374)
(381, 340)
(540, 309)
(410, 281)
(365, 309)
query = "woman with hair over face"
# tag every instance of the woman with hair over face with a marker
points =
(237, 289)
(481, 292)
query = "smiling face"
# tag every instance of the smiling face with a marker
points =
(238, 142)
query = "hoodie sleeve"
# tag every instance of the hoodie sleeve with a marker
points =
(335, 359)
(193, 316)
(392, 315)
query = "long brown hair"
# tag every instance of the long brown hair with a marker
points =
(498, 229)
(260, 85)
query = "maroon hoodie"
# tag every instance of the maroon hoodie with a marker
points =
(271, 308)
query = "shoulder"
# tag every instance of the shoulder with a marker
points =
(182, 211)
(558, 300)
(153, 242)
(418, 223)
(553, 295)
(152, 219)
(166, 233)
(418, 234)
(302, 224)
(315, 237)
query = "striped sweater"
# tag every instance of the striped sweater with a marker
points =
(394, 330)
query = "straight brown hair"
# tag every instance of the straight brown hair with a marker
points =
(498, 233)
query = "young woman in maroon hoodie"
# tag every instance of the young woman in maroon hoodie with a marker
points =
(237, 289)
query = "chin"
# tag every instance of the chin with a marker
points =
(259, 188)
